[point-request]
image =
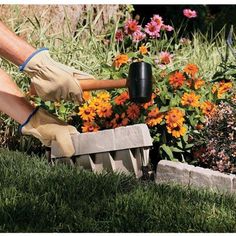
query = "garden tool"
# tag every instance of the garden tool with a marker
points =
(47, 128)
(54, 81)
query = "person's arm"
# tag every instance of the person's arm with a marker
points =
(12, 47)
(34, 121)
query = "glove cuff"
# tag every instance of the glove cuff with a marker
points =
(28, 119)
(22, 66)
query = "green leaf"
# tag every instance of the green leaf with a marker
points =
(167, 151)
(164, 108)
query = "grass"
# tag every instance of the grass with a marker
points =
(36, 197)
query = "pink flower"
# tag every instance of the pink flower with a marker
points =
(158, 20)
(167, 27)
(138, 36)
(165, 58)
(132, 26)
(152, 29)
(119, 36)
(189, 13)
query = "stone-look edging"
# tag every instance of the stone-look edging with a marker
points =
(189, 175)
(123, 149)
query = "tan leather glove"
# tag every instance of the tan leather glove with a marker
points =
(46, 127)
(52, 80)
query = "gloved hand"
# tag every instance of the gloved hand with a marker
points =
(52, 80)
(46, 127)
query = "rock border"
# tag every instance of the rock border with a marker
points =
(189, 175)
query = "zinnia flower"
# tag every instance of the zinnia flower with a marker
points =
(190, 99)
(165, 58)
(132, 26)
(152, 29)
(154, 118)
(177, 131)
(143, 49)
(104, 96)
(90, 127)
(105, 110)
(119, 36)
(86, 95)
(138, 36)
(133, 111)
(120, 60)
(87, 113)
(119, 120)
(191, 69)
(122, 98)
(223, 88)
(198, 83)
(158, 20)
(189, 13)
(174, 117)
(167, 28)
(208, 108)
(176, 79)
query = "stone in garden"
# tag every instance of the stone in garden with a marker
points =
(172, 172)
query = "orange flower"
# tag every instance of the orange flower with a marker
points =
(155, 117)
(143, 49)
(198, 83)
(105, 110)
(90, 127)
(122, 98)
(86, 95)
(176, 79)
(177, 131)
(87, 113)
(174, 117)
(133, 111)
(120, 60)
(104, 96)
(119, 120)
(191, 69)
(148, 104)
(208, 108)
(223, 88)
(190, 99)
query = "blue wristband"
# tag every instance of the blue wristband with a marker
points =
(28, 119)
(22, 66)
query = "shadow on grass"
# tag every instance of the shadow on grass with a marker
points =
(36, 197)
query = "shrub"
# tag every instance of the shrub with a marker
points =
(219, 151)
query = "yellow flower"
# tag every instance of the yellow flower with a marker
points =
(174, 117)
(224, 87)
(198, 83)
(143, 49)
(208, 108)
(104, 96)
(105, 110)
(190, 99)
(87, 113)
(177, 131)
(95, 103)
(90, 127)
(155, 117)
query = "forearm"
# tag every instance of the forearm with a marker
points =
(12, 100)
(12, 47)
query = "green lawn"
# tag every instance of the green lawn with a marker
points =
(36, 197)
